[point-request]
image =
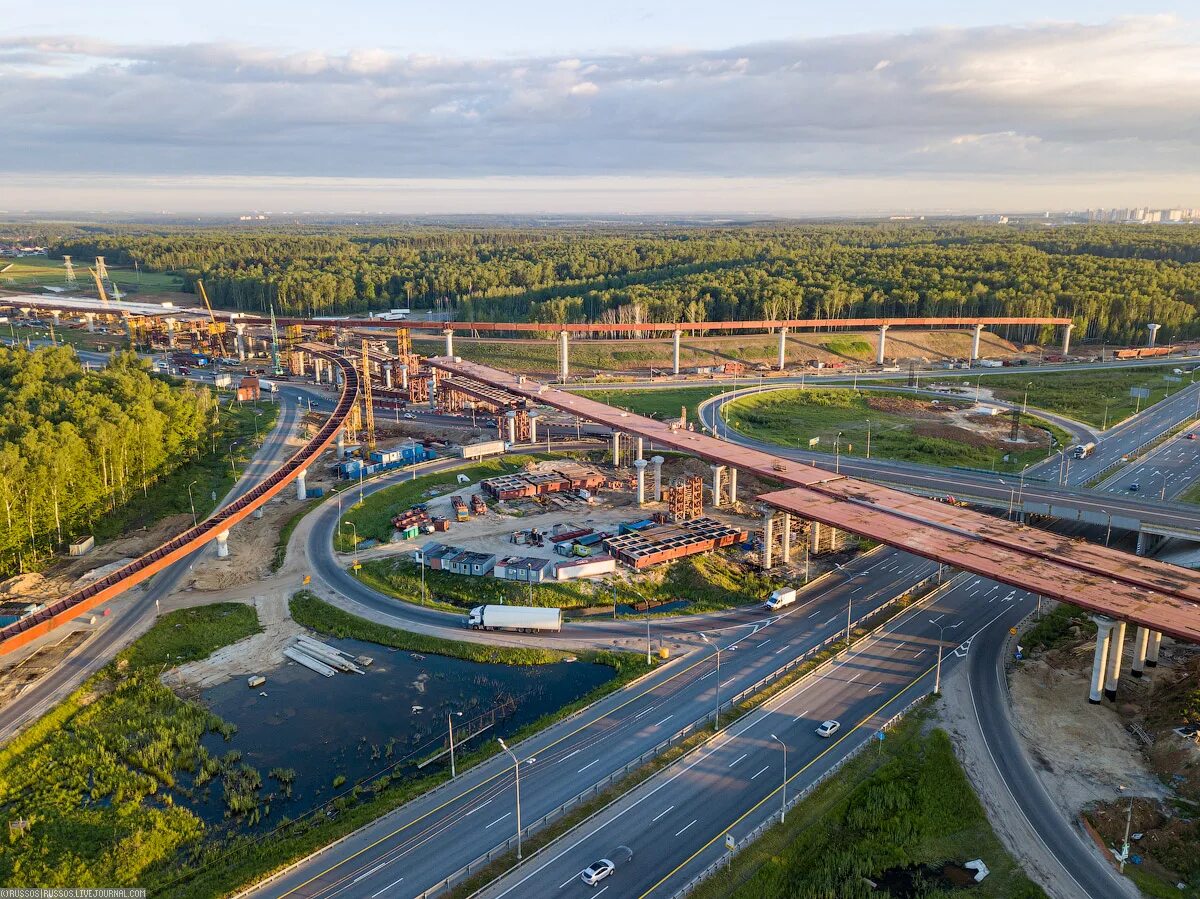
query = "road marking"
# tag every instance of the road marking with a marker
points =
(738, 759)
(588, 765)
(668, 718)
(917, 655)
(367, 874)
(853, 679)
(877, 686)
(601, 891)
(760, 771)
(489, 802)
(498, 820)
(660, 814)
(815, 614)
(570, 879)
(780, 649)
(644, 712)
(565, 757)
(830, 621)
(386, 888)
(710, 674)
(800, 717)
(762, 644)
(679, 833)
(901, 645)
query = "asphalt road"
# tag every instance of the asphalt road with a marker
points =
(426, 840)
(1165, 473)
(676, 822)
(131, 611)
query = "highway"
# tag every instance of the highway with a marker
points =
(428, 839)
(1164, 473)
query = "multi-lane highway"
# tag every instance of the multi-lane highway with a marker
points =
(675, 824)
(1164, 473)
(427, 840)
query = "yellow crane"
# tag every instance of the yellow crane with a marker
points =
(99, 286)
(215, 327)
(368, 406)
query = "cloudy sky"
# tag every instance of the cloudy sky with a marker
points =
(790, 107)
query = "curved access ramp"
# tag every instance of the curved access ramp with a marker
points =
(88, 597)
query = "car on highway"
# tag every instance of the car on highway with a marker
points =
(828, 728)
(409, 416)
(597, 871)
(1191, 436)
(1134, 487)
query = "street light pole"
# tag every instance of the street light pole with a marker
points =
(717, 716)
(192, 503)
(450, 727)
(937, 678)
(517, 775)
(232, 466)
(783, 804)
(354, 531)
(868, 438)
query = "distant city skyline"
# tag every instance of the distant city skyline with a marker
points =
(646, 109)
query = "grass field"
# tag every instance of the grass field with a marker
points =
(906, 427)
(79, 338)
(1095, 397)
(662, 404)
(33, 271)
(903, 805)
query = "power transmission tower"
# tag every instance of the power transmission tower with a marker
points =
(71, 282)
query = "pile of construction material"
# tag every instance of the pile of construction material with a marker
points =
(320, 657)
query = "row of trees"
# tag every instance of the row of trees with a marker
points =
(75, 444)
(1112, 279)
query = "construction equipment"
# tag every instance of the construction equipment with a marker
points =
(278, 368)
(403, 343)
(368, 406)
(99, 286)
(216, 328)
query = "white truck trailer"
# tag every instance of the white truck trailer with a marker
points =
(526, 619)
(784, 596)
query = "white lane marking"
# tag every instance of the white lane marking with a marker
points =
(367, 874)
(800, 717)
(498, 820)
(660, 814)
(815, 614)
(679, 833)
(762, 644)
(710, 674)
(917, 655)
(386, 888)
(668, 718)
(601, 891)
(738, 759)
(760, 771)
(901, 645)
(644, 712)
(588, 765)
(565, 757)
(830, 621)
(570, 879)
(481, 805)
(780, 649)
(853, 679)
(877, 686)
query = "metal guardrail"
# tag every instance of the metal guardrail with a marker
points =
(683, 733)
(116, 582)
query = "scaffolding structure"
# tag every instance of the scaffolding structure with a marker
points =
(685, 499)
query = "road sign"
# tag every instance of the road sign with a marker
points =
(1171, 379)
(1139, 393)
(879, 735)
(1013, 631)
(813, 442)
(730, 842)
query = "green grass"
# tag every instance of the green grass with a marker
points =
(286, 531)
(851, 348)
(189, 634)
(210, 471)
(792, 417)
(664, 404)
(372, 518)
(1055, 628)
(1084, 395)
(905, 803)
(1191, 495)
(79, 338)
(34, 271)
(709, 582)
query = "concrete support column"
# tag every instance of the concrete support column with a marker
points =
(975, 342)
(640, 465)
(317, 361)
(768, 538)
(533, 420)
(782, 360)
(658, 464)
(301, 484)
(240, 340)
(449, 332)
(678, 335)
(564, 358)
(510, 422)
(1142, 543)
(883, 329)
(717, 471)
(814, 537)
(616, 448)
(341, 444)
(1152, 647)
(1066, 344)
(1153, 334)
(258, 513)
(91, 321)
(1115, 649)
(787, 538)
(639, 447)
(387, 376)
(732, 484)
(404, 377)
(1104, 627)
(223, 545)
(1140, 641)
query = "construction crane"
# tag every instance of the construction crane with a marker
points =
(217, 328)
(403, 344)
(99, 286)
(368, 406)
(275, 343)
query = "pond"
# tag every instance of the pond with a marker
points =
(355, 726)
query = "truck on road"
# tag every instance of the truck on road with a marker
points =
(1084, 450)
(784, 596)
(525, 619)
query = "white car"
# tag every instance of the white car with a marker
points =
(828, 728)
(597, 871)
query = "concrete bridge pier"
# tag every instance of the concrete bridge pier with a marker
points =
(387, 376)
(1140, 642)
(879, 355)
(616, 448)
(510, 424)
(564, 356)
(781, 362)
(768, 538)
(732, 484)
(975, 342)
(341, 444)
(240, 341)
(302, 484)
(1115, 649)
(533, 422)
(814, 537)
(717, 471)
(657, 461)
(678, 335)
(1104, 629)
(638, 444)
(91, 321)
(223, 545)
(449, 332)
(1153, 644)
(404, 377)
(1066, 341)
(640, 465)
(1153, 334)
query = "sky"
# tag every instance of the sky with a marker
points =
(749, 108)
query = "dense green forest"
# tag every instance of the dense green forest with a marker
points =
(1111, 279)
(77, 444)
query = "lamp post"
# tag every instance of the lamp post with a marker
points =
(783, 803)
(1163, 495)
(837, 453)
(1012, 495)
(354, 531)
(450, 716)
(717, 716)
(937, 678)
(1108, 533)
(232, 466)
(868, 438)
(192, 503)
(517, 775)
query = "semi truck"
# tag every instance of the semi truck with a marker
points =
(784, 596)
(1084, 450)
(525, 619)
